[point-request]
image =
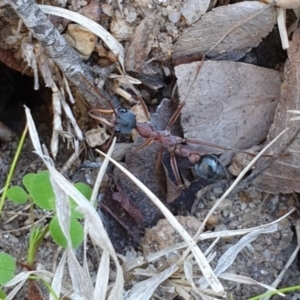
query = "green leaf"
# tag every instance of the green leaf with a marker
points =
(2, 295)
(41, 191)
(27, 181)
(86, 191)
(76, 233)
(17, 194)
(7, 267)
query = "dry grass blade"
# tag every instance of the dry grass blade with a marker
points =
(95, 226)
(237, 180)
(145, 289)
(57, 279)
(229, 256)
(21, 278)
(102, 277)
(200, 258)
(289, 262)
(95, 28)
(247, 280)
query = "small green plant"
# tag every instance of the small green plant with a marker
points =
(7, 270)
(8, 264)
(38, 188)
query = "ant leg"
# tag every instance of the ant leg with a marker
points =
(158, 159)
(175, 170)
(202, 143)
(102, 120)
(144, 144)
(175, 116)
(178, 110)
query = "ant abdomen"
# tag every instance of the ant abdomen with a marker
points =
(209, 167)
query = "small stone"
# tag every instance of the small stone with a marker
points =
(81, 39)
(251, 205)
(225, 213)
(267, 254)
(220, 227)
(107, 9)
(243, 206)
(217, 190)
(131, 17)
(233, 225)
(247, 219)
(225, 204)
(285, 223)
(120, 29)
(174, 16)
(164, 12)
(201, 205)
(125, 11)
(212, 222)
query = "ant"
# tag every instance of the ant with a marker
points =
(206, 165)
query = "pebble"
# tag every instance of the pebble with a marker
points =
(218, 190)
(107, 9)
(243, 206)
(225, 213)
(201, 205)
(212, 221)
(174, 16)
(220, 227)
(267, 254)
(164, 12)
(251, 205)
(233, 225)
(225, 204)
(247, 219)
(131, 17)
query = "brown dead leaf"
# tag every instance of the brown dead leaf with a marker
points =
(142, 165)
(226, 29)
(230, 104)
(284, 175)
(141, 44)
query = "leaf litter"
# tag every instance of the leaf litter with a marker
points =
(283, 176)
(257, 87)
(227, 30)
(231, 104)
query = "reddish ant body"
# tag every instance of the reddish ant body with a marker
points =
(125, 121)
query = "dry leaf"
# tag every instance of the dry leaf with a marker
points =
(238, 27)
(230, 104)
(96, 137)
(141, 45)
(283, 176)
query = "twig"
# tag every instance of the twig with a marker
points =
(57, 47)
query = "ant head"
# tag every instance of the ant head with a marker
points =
(126, 120)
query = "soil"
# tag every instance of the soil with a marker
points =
(261, 260)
